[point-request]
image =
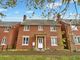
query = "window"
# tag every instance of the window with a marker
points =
(3, 42)
(53, 41)
(26, 28)
(40, 28)
(73, 27)
(77, 39)
(6, 29)
(52, 28)
(25, 40)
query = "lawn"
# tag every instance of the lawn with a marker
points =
(38, 57)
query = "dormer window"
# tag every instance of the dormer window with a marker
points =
(73, 27)
(52, 28)
(40, 28)
(26, 28)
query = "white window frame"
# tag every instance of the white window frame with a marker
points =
(74, 28)
(6, 29)
(27, 28)
(4, 41)
(53, 28)
(24, 44)
(55, 40)
(76, 40)
(40, 28)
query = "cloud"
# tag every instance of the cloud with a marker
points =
(57, 4)
(54, 5)
(12, 18)
(1, 10)
(29, 11)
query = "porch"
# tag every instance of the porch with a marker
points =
(40, 43)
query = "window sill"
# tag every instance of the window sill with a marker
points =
(52, 30)
(40, 29)
(26, 30)
(75, 30)
(54, 45)
(77, 44)
(6, 31)
(25, 44)
(3, 44)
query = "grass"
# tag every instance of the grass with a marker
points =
(38, 57)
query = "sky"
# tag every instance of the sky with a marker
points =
(16, 13)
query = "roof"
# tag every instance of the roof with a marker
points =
(2, 23)
(39, 22)
(72, 21)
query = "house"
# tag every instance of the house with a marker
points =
(39, 35)
(8, 34)
(72, 33)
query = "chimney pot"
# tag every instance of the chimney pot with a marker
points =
(24, 17)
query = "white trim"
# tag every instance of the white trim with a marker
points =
(3, 44)
(51, 28)
(3, 41)
(77, 44)
(40, 28)
(76, 40)
(40, 42)
(54, 45)
(25, 44)
(51, 39)
(25, 36)
(25, 28)
(74, 28)
(22, 41)
(6, 31)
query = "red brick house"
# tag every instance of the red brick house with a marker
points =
(72, 33)
(40, 35)
(8, 34)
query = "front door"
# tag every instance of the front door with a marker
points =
(40, 42)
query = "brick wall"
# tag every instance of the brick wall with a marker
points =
(33, 31)
(11, 36)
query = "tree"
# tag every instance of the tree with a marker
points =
(40, 4)
(6, 4)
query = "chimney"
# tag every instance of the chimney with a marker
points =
(24, 17)
(57, 17)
